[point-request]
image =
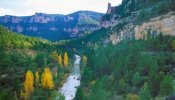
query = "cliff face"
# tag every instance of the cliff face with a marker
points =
(134, 18)
(53, 26)
(42, 18)
(164, 24)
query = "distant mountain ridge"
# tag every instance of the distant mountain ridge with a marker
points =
(53, 26)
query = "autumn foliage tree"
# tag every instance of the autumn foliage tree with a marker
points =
(131, 96)
(84, 60)
(29, 82)
(60, 60)
(66, 59)
(54, 54)
(47, 79)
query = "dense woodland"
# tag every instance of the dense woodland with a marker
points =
(132, 70)
(31, 68)
(34, 68)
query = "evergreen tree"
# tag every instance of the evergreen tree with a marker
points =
(173, 45)
(154, 78)
(136, 79)
(144, 93)
(166, 86)
(79, 94)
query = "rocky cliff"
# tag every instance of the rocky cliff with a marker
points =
(164, 24)
(134, 18)
(53, 26)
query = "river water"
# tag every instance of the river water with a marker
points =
(73, 81)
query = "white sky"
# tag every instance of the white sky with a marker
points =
(29, 7)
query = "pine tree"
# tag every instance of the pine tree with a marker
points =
(79, 94)
(47, 79)
(29, 82)
(66, 59)
(173, 45)
(166, 86)
(36, 78)
(144, 93)
(59, 60)
(137, 79)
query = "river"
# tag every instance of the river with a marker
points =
(69, 88)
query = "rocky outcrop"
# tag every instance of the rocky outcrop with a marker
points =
(136, 18)
(32, 29)
(8, 18)
(19, 29)
(164, 24)
(53, 26)
(126, 32)
(108, 23)
(41, 18)
(53, 29)
(110, 9)
(68, 18)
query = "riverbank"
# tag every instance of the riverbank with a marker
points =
(68, 90)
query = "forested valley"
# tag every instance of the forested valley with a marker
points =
(130, 57)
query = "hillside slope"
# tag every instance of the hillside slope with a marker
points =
(132, 18)
(20, 54)
(133, 56)
(53, 26)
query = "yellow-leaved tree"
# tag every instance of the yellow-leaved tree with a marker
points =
(84, 60)
(29, 82)
(47, 79)
(66, 59)
(54, 54)
(60, 60)
(132, 97)
(23, 95)
(36, 78)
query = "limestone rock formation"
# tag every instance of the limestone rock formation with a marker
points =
(164, 24)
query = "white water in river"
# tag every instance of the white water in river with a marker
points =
(73, 81)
